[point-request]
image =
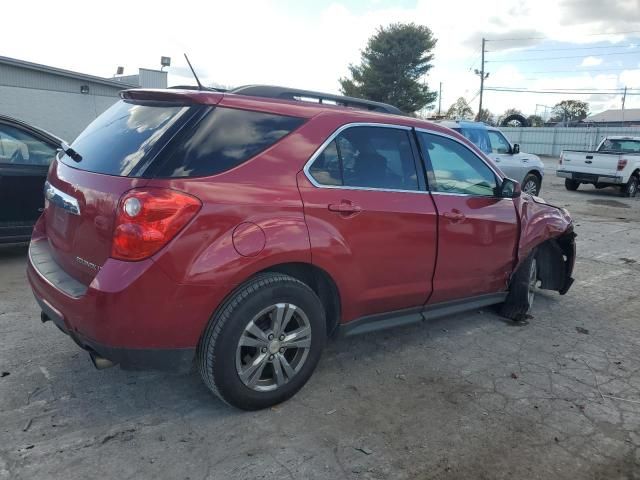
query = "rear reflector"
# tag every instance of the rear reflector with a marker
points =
(147, 219)
(621, 164)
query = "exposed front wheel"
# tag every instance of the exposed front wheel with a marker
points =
(631, 188)
(263, 344)
(531, 184)
(522, 290)
(571, 185)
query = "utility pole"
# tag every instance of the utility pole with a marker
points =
(440, 100)
(483, 75)
(624, 97)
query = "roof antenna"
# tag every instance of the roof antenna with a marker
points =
(200, 87)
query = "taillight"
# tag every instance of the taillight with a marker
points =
(147, 219)
(561, 158)
(621, 164)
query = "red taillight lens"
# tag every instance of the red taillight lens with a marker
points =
(621, 164)
(147, 219)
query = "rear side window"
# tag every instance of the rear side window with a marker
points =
(223, 139)
(367, 157)
(120, 140)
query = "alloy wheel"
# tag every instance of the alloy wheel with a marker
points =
(530, 188)
(533, 281)
(273, 347)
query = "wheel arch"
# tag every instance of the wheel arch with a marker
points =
(320, 282)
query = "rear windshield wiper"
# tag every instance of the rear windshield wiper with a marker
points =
(75, 156)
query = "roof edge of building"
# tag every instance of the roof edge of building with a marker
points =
(65, 73)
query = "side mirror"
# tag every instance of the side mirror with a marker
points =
(510, 188)
(516, 149)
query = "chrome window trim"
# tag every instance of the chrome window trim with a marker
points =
(61, 199)
(332, 137)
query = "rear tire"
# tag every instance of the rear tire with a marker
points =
(521, 290)
(571, 185)
(263, 343)
(631, 188)
(531, 184)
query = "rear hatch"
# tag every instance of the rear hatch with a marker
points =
(113, 153)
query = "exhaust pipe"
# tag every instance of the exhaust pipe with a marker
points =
(100, 362)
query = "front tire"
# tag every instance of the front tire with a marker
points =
(571, 185)
(263, 343)
(531, 184)
(631, 188)
(521, 290)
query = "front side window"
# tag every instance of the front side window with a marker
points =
(21, 148)
(455, 168)
(499, 144)
(368, 157)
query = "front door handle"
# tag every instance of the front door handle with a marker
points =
(455, 216)
(345, 207)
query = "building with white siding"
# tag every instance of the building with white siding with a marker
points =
(61, 101)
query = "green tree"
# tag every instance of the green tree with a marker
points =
(392, 65)
(535, 121)
(486, 116)
(570, 110)
(460, 110)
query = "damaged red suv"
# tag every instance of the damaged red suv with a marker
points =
(236, 231)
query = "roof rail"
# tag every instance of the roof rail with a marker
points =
(285, 93)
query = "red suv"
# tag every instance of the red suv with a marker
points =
(237, 231)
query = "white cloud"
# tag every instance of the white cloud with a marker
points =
(591, 61)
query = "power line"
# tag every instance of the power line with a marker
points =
(631, 45)
(556, 58)
(511, 90)
(572, 89)
(546, 38)
(583, 71)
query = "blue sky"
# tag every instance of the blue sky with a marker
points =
(311, 44)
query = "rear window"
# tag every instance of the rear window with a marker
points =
(223, 139)
(620, 146)
(123, 137)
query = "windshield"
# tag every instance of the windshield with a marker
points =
(620, 145)
(117, 141)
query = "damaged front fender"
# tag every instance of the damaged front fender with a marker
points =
(547, 231)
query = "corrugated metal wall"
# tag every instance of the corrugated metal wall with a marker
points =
(551, 140)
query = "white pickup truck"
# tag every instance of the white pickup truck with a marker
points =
(616, 162)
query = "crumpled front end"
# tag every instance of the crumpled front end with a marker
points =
(547, 231)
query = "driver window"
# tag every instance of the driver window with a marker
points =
(20, 148)
(499, 144)
(455, 168)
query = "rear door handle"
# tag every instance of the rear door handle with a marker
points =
(454, 216)
(345, 207)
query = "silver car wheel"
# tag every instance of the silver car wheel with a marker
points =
(533, 282)
(273, 347)
(530, 188)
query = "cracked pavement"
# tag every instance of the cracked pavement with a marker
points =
(471, 396)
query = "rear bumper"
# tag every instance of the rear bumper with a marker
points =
(131, 313)
(177, 360)
(590, 177)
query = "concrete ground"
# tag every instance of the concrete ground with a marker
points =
(466, 397)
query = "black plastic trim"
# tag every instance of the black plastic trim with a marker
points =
(42, 260)
(410, 316)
